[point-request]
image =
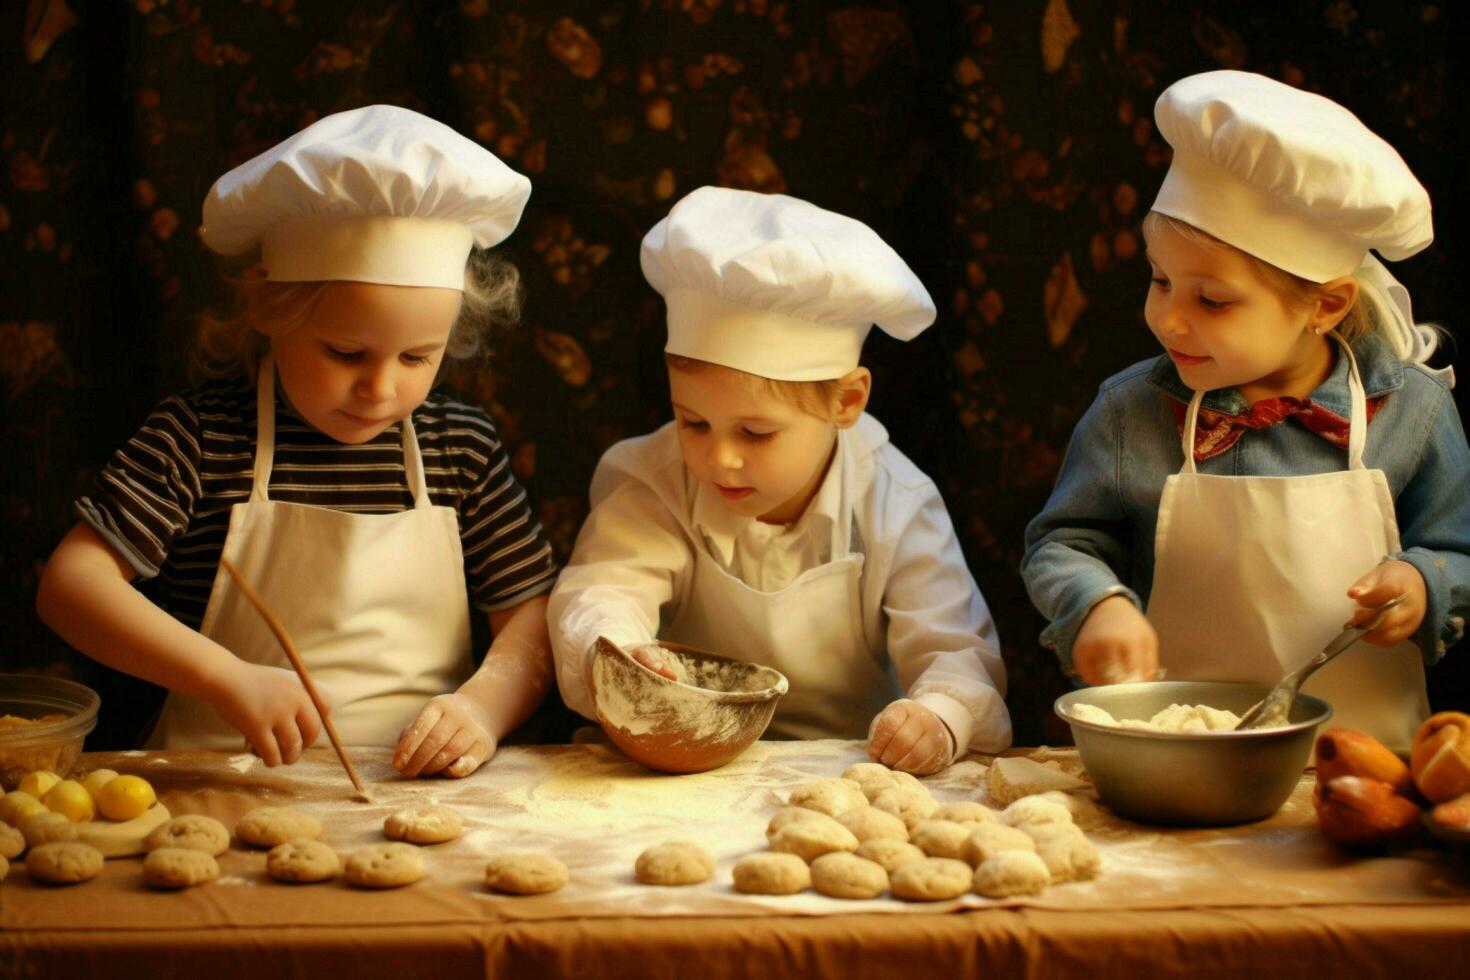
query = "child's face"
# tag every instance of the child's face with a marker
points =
(764, 456)
(1221, 325)
(366, 357)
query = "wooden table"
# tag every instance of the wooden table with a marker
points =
(1271, 899)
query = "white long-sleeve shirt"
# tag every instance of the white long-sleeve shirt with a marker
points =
(633, 563)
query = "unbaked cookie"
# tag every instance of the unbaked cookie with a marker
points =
(1011, 873)
(423, 825)
(194, 831)
(873, 777)
(943, 838)
(48, 828)
(302, 860)
(64, 862)
(678, 862)
(931, 880)
(1035, 810)
(178, 867)
(267, 826)
(1066, 851)
(4, 866)
(891, 854)
(810, 840)
(842, 875)
(12, 841)
(772, 873)
(525, 874)
(868, 822)
(967, 811)
(911, 804)
(830, 796)
(385, 866)
(990, 839)
(789, 815)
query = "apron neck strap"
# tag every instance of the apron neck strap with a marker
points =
(1358, 418)
(265, 441)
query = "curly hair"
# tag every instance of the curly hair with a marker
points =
(231, 343)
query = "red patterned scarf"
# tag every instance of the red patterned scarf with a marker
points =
(1218, 431)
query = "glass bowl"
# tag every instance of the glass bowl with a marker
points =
(29, 743)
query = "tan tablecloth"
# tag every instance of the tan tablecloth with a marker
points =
(1186, 901)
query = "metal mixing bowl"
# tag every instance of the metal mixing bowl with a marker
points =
(1208, 779)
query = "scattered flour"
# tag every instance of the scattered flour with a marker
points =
(243, 762)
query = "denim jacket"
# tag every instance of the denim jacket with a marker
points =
(1095, 536)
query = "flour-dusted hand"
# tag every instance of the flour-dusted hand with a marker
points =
(908, 736)
(656, 659)
(270, 707)
(451, 735)
(1116, 644)
(1380, 585)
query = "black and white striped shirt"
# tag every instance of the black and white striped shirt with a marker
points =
(163, 500)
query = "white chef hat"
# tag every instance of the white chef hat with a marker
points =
(379, 194)
(777, 287)
(1287, 176)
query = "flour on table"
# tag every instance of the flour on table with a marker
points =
(242, 763)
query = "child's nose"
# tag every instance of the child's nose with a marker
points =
(376, 384)
(724, 455)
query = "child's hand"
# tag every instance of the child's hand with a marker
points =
(908, 736)
(1380, 585)
(271, 708)
(451, 735)
(1116, 644)
(656, 659)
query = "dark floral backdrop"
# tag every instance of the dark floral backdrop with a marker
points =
(1006, 150)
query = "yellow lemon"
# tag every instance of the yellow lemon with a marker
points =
(96, 779)
(71, 799)
(125, 797)
(38, 783)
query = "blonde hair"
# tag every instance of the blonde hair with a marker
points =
(816, 398)
(1297, 293)
(232, 343)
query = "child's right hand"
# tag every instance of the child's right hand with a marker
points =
(270, 707)
(1116, 644)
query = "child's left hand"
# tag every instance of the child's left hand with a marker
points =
(451, 735)
(908, 736)
(1380, 585)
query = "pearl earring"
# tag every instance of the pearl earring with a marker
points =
(1317, 331)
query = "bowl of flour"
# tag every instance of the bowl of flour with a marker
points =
(1166, 752)
(703, 719)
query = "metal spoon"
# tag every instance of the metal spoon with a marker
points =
(1274, 709)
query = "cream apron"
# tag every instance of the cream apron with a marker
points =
(811, 631)
(1251, 576)
(375, 603)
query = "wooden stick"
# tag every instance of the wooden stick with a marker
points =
(295, 658)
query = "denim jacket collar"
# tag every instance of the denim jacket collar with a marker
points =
(1381, 369)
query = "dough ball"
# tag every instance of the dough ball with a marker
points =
(64, 862)
(771, 873)
(869, 822)
(1035, 810)
(1066, 851)
(194, 831)
(525, 874)
(1011, 873)
(990, 839)
(12, 841)
(890, 854)
(677, 862)
(385, 866)
(178, 867)
(809, 841)
(302, 861)
(873, 777)
(931, 880)
(423, 825)
(267, 826)
(842, 875)
(789, 815)
(1086, 812)
(965, 812)
(48, 828)
(943, 838)
(912, 806)
(829, 796)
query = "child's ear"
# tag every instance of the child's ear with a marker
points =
(1335, 299)
(852, 398)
